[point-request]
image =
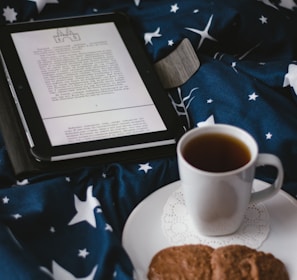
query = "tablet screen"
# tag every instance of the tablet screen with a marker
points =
(85, 84)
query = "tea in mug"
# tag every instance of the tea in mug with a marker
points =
(216, 152)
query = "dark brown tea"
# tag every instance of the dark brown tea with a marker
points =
(216, 152)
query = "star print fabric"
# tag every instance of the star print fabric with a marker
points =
(70, 226)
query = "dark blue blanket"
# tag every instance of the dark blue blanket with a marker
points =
(69, 226)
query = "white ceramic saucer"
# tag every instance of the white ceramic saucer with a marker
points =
(143, 236)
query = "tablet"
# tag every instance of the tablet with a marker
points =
(85, 86)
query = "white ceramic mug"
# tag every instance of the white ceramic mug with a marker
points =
(217, 199)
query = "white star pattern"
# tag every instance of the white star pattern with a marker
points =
(85, 209)
(40, 4)
(253, 96)
(145, 167)
(150, 35)
(23, 182)
(267, 2)
(108, 228)
(60, 273)
(209, 101)
(203, 33)
(83, 253)
(288, 4)
(174, 8)
(263, 19)
(249, 51)
(9, 14)
(268, 136)
(233, 65)
(170, 43)
(52, 229)
(5, 200)
(210, 121)
(17, 216)
(291, 77)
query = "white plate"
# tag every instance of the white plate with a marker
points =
(143, 236)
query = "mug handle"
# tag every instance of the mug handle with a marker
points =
(269, 159)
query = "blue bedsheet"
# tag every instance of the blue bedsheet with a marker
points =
(69, 226)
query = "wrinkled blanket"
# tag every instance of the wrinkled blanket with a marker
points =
(70, 226)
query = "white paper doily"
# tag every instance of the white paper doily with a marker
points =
(178, 228)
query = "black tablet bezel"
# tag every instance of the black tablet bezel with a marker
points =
(42, 148)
